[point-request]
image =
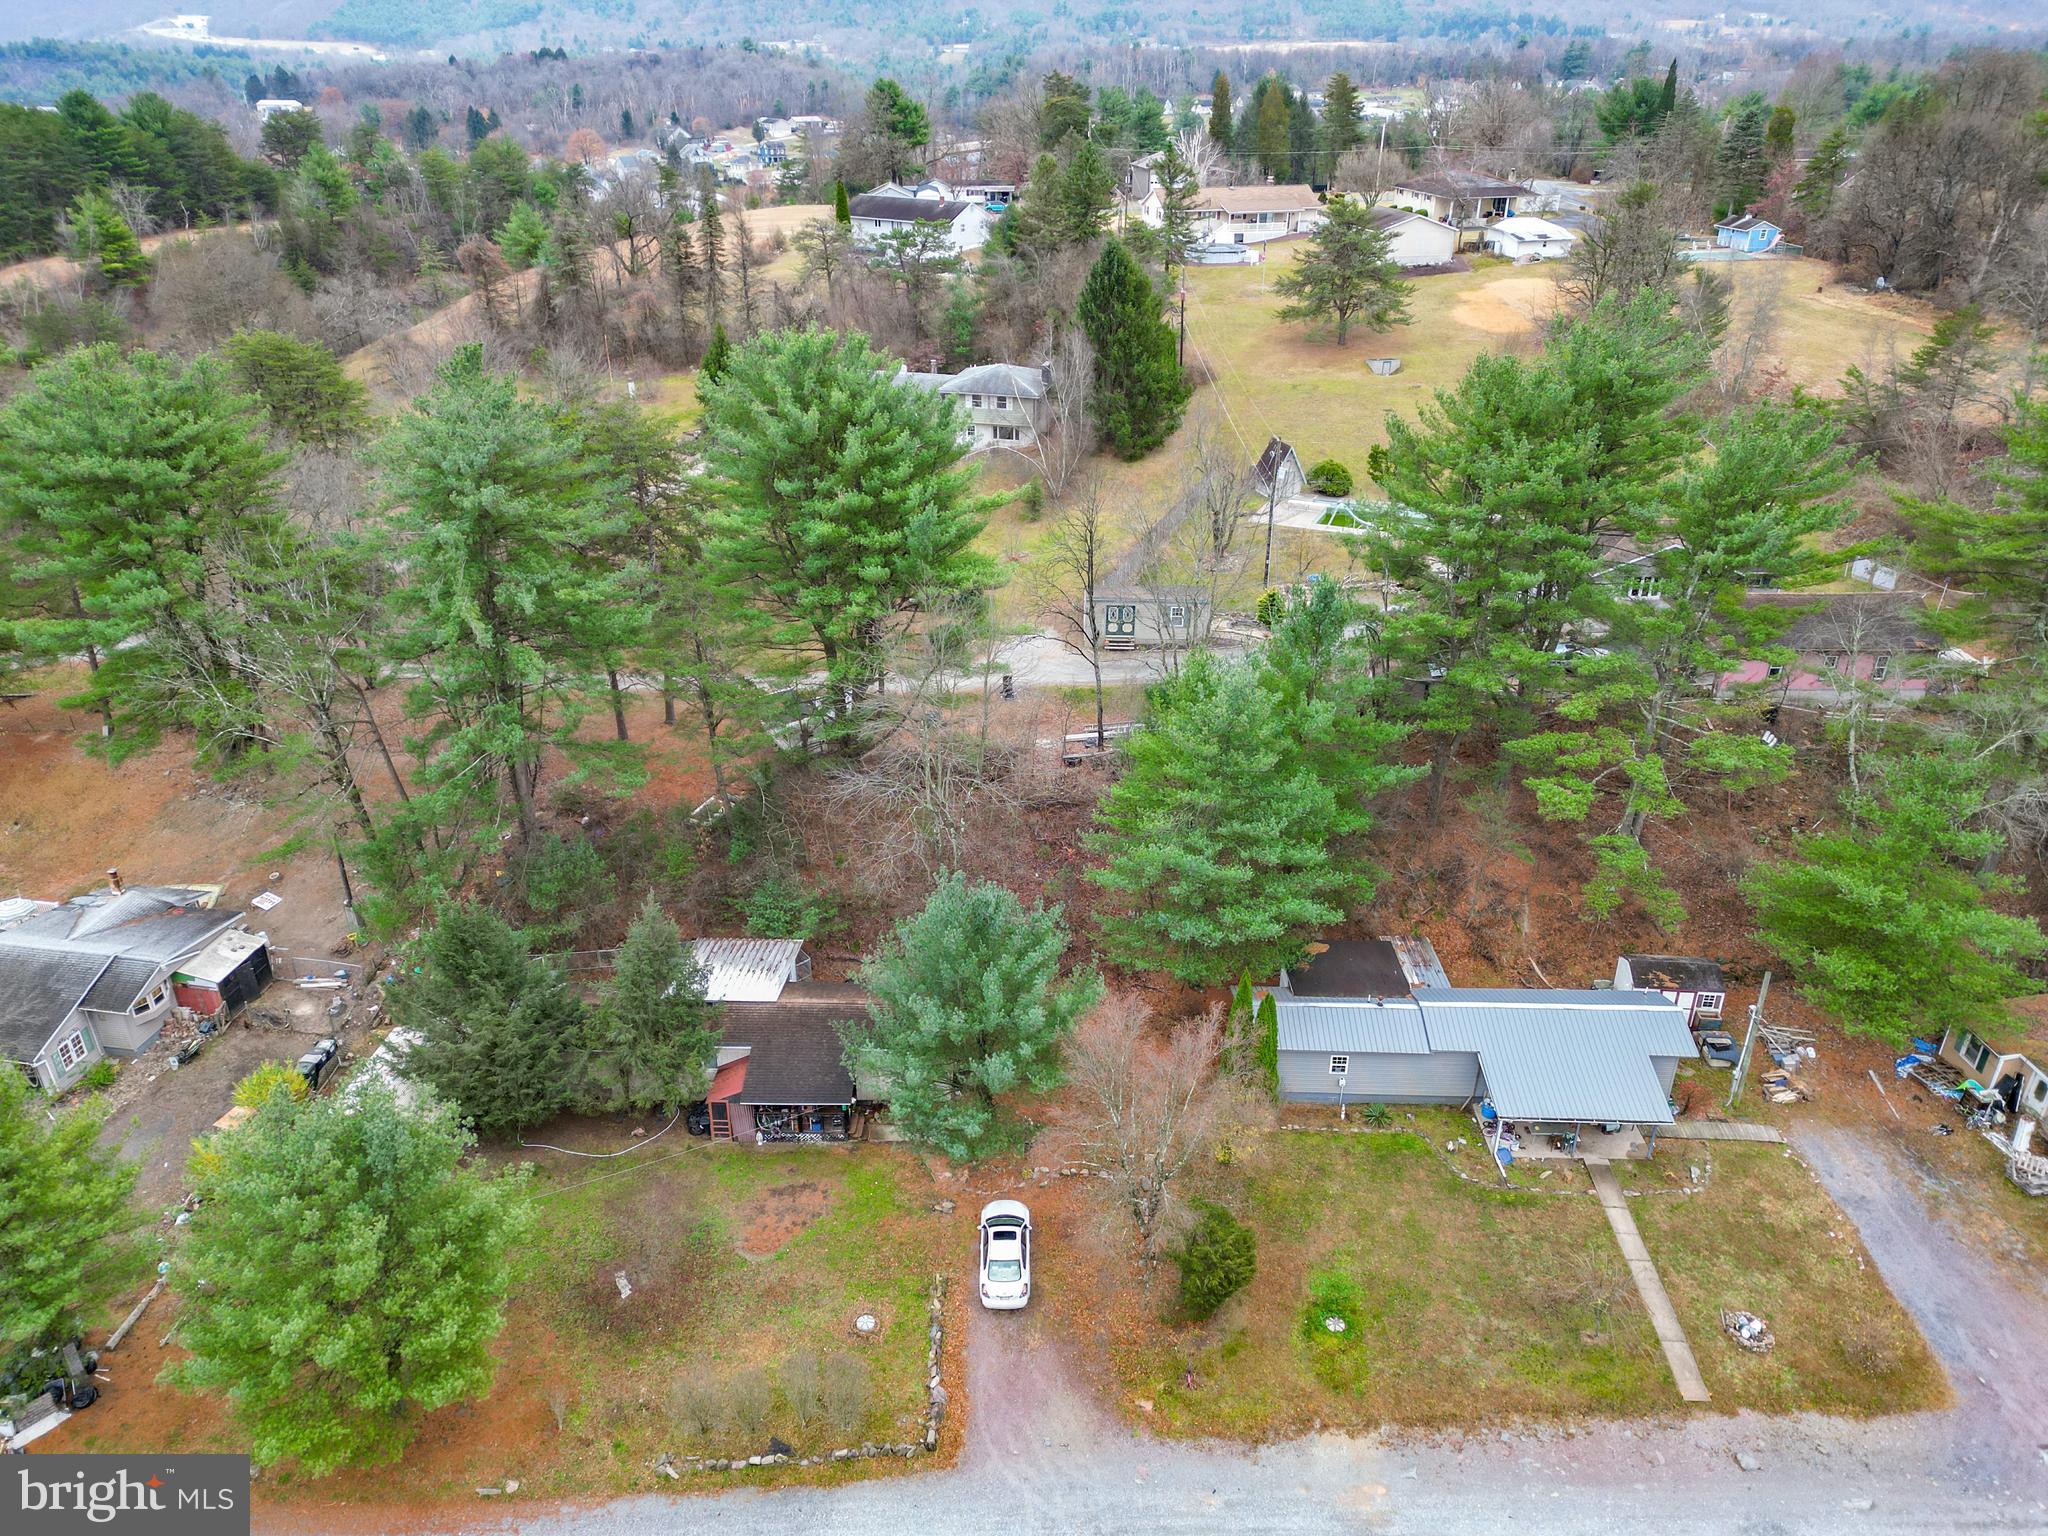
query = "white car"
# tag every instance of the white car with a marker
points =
(1005, 1255)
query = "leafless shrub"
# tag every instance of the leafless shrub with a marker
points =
(696, 1407)
(844, 1390)
(748, 1397)
(802, 1386)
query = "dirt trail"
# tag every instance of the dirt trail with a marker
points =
(1989, 1328)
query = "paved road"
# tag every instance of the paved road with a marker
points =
(1042, 1456)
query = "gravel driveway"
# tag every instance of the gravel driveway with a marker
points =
(1042, 1456)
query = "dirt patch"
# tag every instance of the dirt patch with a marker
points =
(780, 1214)
(1511, 306)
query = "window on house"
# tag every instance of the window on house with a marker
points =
(1176, 613)
(1774, 671)
(1005, 434)
(2040, 1090)
(1759, 581)
(1340, 1066)
(71, 1052)
(1640, 587)
(1880, 669)
(975, 401)
(1710, 1002)
(1978, 1057)
(1832, 660)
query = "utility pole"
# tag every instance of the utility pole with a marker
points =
(1756, 1018)
(1183, 317)
(1272, 496)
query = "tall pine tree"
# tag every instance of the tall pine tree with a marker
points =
(1218, 842)
(497, 1028)
(650, 1038)
(967, 1003)
(1140, 388)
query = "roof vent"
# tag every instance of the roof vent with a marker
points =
(15, 908)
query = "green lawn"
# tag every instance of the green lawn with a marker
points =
(738, 1260)
(1465, 1303)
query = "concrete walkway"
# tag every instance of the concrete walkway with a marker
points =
(1663, 1316)
(1718, 1130)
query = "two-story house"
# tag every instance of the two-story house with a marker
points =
(882, 213)
(1006, 405)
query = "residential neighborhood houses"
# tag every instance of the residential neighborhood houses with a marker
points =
(1095, 782)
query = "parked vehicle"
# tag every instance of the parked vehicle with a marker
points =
(320, 1064)
(1005, 1255)
(1720, 1048)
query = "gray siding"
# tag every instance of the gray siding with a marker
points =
(1442, 1077)
(1667, 1070)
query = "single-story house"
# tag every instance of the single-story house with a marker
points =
(100, 973)
(1879, 640)
(1695, 985)
(876, 215)
(1466, 200)
(1748, 234)
(781, 1072)
(1253, 215)
(1524, 237)
(1006, 405)
(1414, 239)
(1162, 617)
(1369, 1020)
(2015, 1069)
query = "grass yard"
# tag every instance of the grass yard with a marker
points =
(1464, 1303)
(739, 1262)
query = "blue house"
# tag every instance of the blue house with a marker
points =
(1748, 234)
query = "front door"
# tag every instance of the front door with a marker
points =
(1120, 621)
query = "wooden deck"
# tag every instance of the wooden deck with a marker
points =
(1719, 1130)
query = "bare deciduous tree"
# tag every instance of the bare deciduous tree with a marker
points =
(1067, 435)
(1149, 1105)
(1072, 564)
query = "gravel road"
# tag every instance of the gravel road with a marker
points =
(1042, 1456)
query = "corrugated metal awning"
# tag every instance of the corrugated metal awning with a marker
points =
(1565, 1055)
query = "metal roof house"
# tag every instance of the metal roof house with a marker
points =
(101, 972)
(1374, 1021)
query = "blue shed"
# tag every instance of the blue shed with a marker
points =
(1748, 234)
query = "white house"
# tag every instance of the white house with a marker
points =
(270, 106)
(1007, 406)
(1414, 239)
(101, 972)
(1466, 200)
(1524, 237)
(876, 214)
(1253, 215)
(1696, 985)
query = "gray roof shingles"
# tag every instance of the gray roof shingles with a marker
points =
(108, 938)
(795, 1054)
